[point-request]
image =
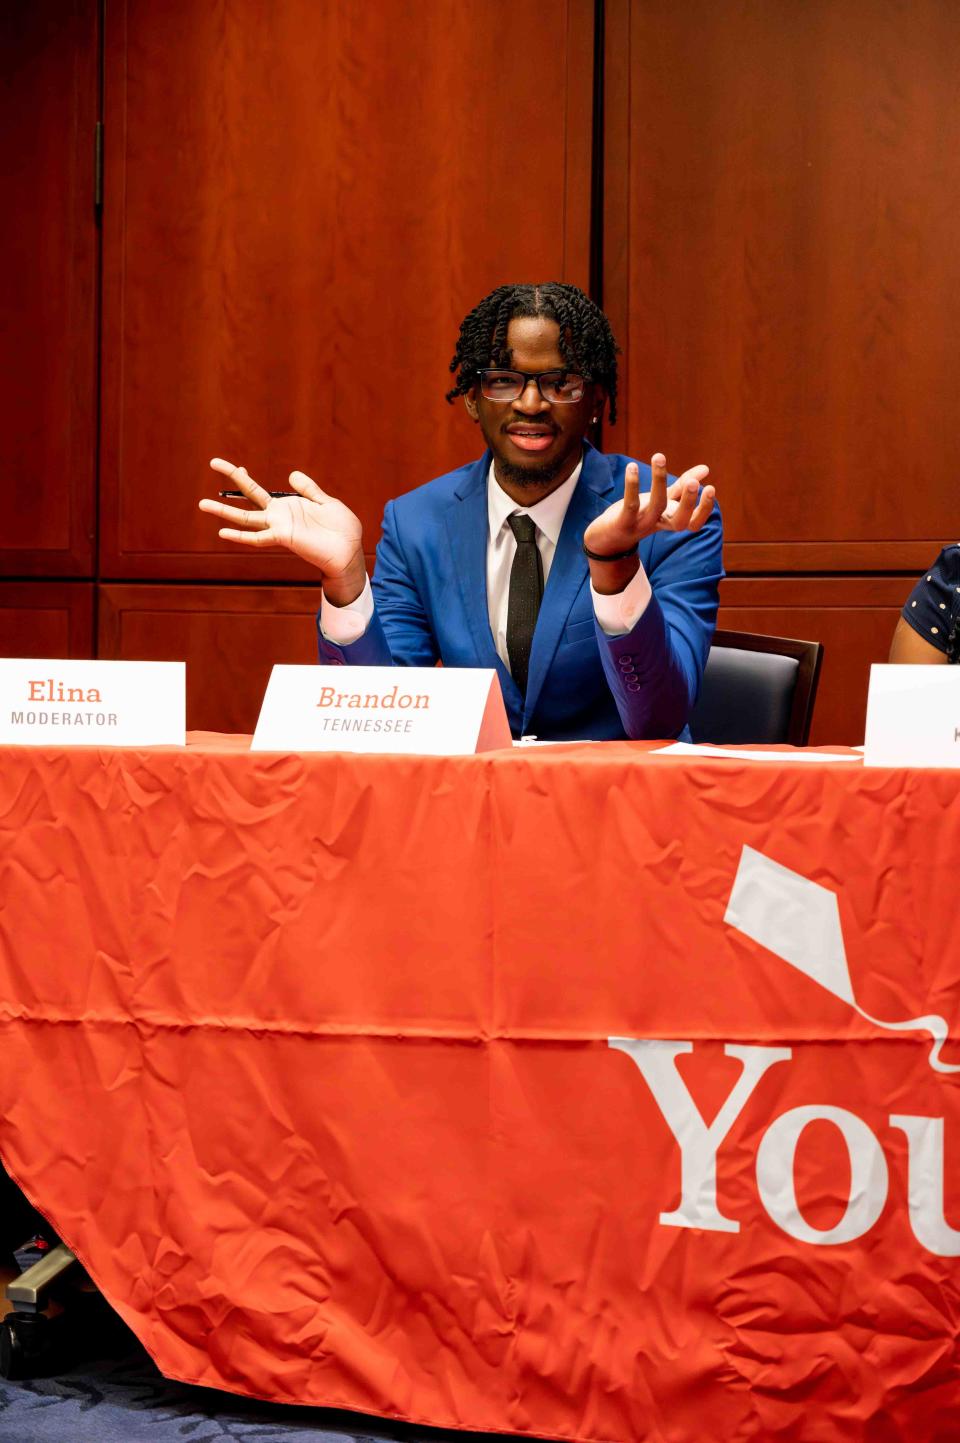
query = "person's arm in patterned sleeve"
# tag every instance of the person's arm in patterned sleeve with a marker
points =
(928, 631)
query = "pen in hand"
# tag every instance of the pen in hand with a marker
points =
(243, 496)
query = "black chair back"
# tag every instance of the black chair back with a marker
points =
(757, 689)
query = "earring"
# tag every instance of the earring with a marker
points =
(595, 420)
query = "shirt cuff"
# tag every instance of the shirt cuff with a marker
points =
(344, 624)
(618, 614)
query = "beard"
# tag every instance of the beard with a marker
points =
(530, 475)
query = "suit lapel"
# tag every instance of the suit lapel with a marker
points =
(468, 527)
(569, 570)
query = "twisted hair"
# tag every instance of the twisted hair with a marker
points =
(586, 340)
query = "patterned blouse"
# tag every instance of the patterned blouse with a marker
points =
(933, 606)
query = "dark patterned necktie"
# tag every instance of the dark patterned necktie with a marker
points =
(526, 591)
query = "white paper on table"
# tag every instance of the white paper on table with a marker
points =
(550, 742)
(696, 749)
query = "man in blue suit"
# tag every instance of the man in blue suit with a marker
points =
(587, 581)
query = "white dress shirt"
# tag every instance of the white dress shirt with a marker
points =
(616, 614)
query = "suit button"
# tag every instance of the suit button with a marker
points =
(628, 670)
(633, 686)
(626, 661)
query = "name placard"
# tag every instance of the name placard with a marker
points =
(440, 711)
(913, 717)
(92, 703)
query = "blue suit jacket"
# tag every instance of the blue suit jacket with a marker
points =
(430, 591)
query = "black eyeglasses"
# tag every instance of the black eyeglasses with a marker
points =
(559, 388)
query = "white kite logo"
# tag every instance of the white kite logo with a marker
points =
(799, 922)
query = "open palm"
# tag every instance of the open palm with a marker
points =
(684, 505)
(313, 525)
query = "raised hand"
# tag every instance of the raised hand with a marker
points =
(663, 508)
(313, 525)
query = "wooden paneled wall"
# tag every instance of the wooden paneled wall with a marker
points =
(781, 180)
(288, 251)
(48, 382)
(48, 393)
(300, 202)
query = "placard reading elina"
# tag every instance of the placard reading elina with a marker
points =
(46, 702)
(441, 711)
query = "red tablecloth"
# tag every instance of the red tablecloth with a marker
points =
(309, 1059)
